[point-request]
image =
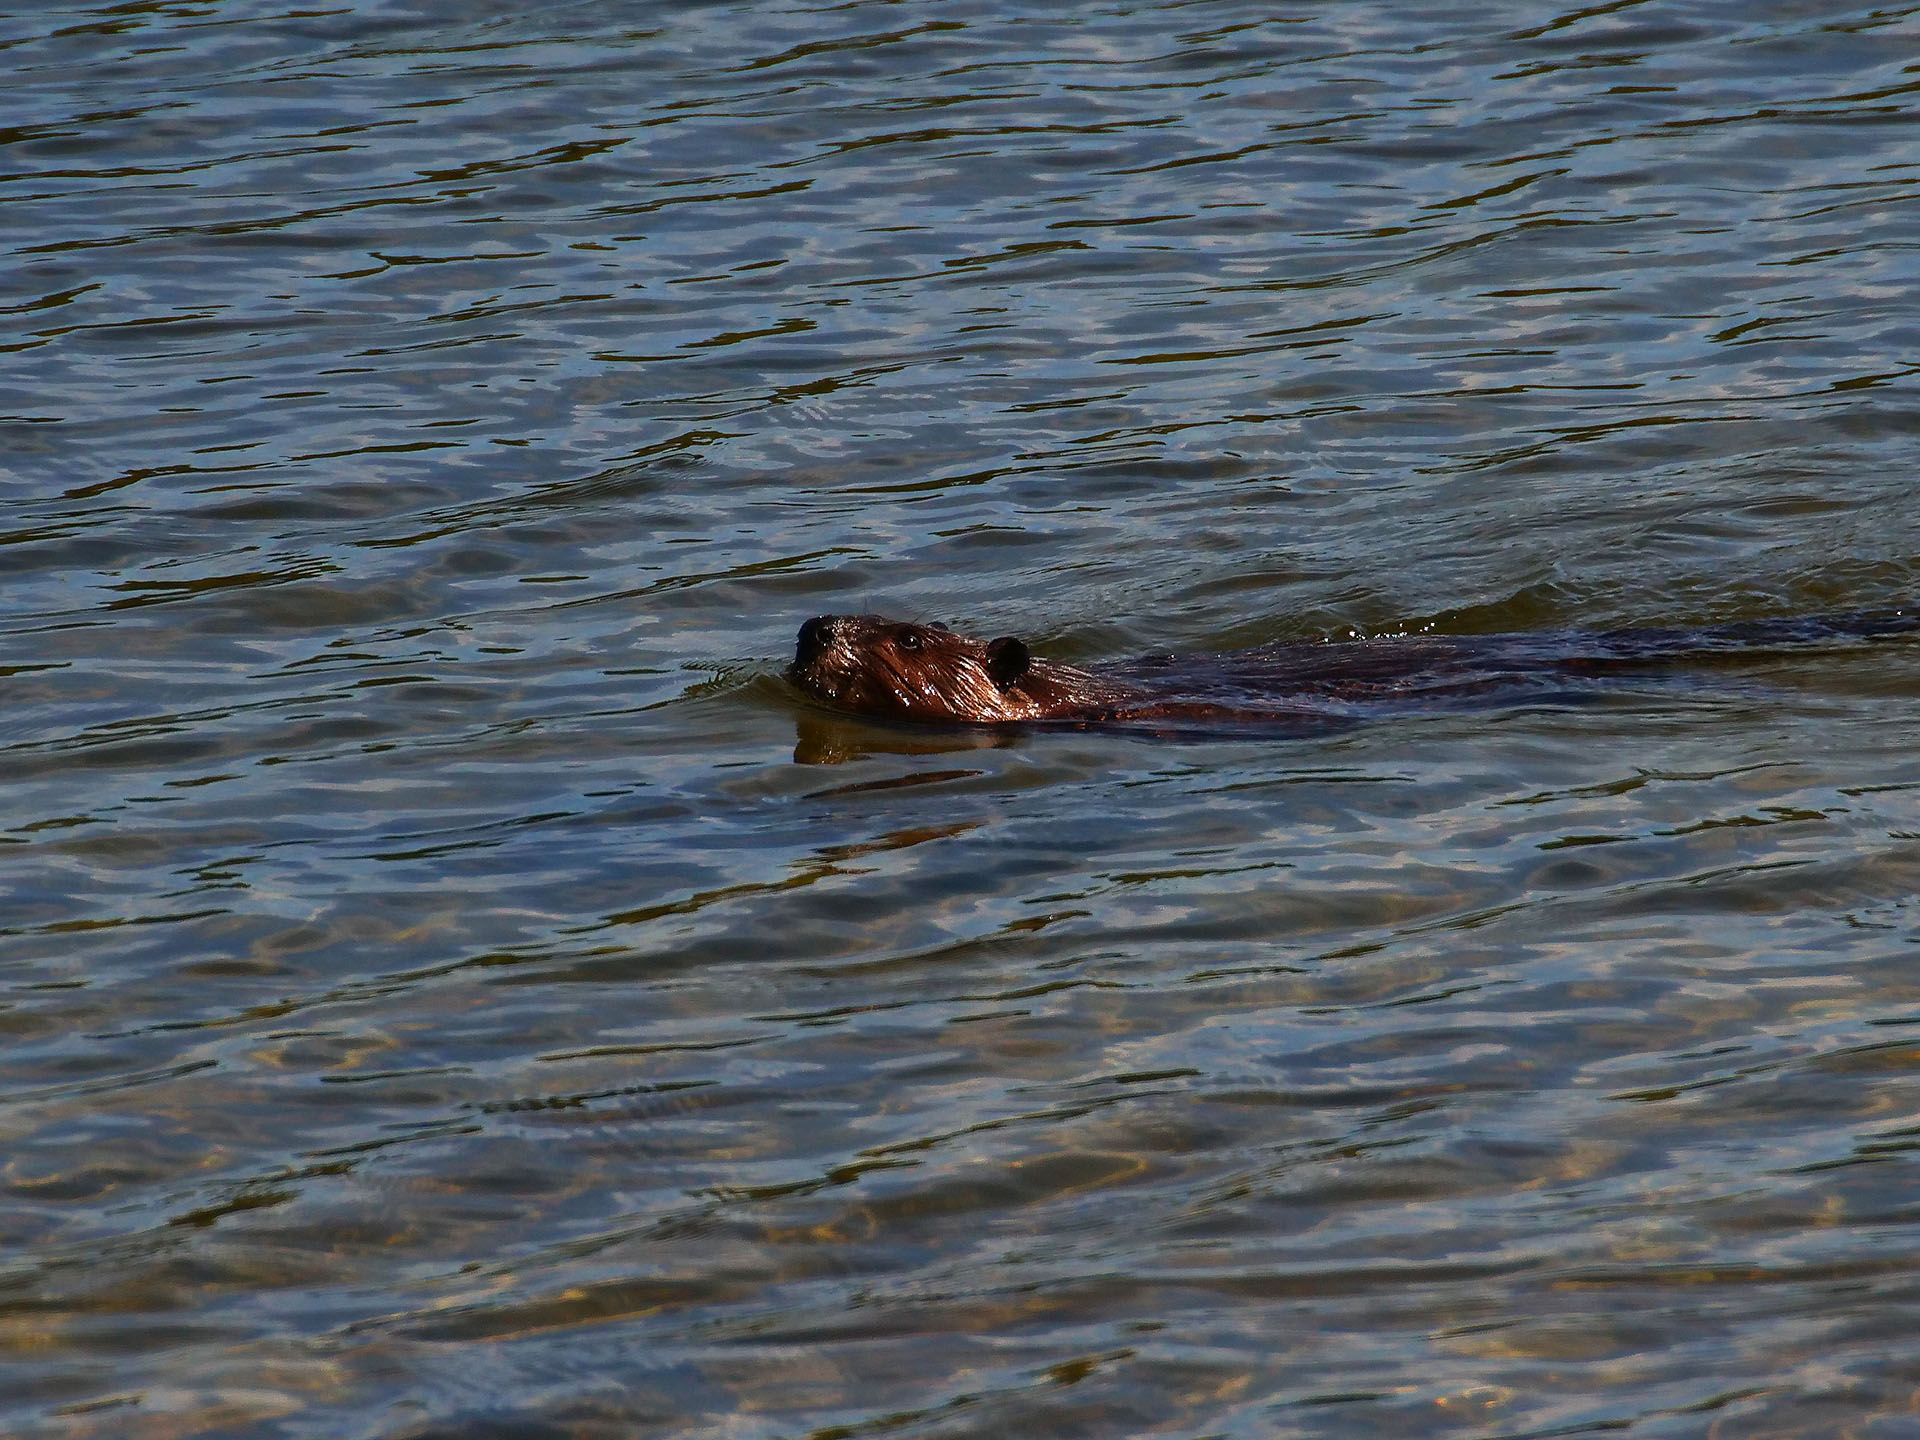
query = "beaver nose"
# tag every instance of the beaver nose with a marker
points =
(815, 636)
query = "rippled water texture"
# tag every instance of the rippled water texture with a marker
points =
(454, 988)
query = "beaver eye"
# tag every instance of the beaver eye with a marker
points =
(910, 641)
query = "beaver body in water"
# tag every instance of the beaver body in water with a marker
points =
(891, 670)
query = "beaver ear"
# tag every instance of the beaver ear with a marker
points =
(1007, 660)
(941, 625)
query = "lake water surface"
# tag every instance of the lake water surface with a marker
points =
(453, 987)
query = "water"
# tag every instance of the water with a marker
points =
(453, 987)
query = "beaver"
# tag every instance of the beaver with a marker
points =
(929, 674)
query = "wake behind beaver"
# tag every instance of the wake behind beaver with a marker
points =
(929, 674)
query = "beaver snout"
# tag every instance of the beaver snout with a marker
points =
(815, 636)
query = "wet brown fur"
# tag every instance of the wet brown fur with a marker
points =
(928, 673)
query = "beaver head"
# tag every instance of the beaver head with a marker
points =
(898, 671)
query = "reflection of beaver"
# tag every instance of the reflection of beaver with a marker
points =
(928, 673)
